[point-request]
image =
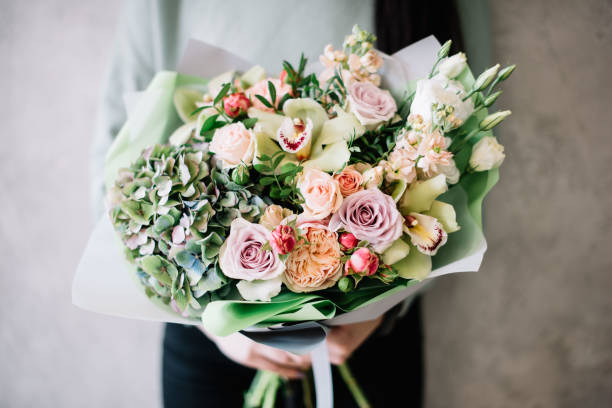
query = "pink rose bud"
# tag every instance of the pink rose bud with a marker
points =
(348, 241)
(283, 76)
(283, 239)
(236, 104)
(362, 261)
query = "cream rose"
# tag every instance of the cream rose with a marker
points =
(233, 144)
(350, 181)
(370, 104)
(273, 215)
(322, 194)
(317, 265)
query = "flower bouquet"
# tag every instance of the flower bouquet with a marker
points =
(275, 205)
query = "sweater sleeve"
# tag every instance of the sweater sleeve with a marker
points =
(131, 68)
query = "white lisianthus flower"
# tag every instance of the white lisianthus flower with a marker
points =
(441, 91)
(450, 171)
(451, 67)
(487, 154)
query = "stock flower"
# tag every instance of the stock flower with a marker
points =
(233, 144)
(273, 215)
(445, 93)
(261, 88)
(402, 162)
(236, 104)
(426, 233)
(348, 241)
(316, 265)
(350, 181)
(372, 61)
(373, 177)
(370, 104)
(363, 262)
(283, 239)
(433, 154)
(241, 255)
(487, 154)
(322, 195)
(371, 216)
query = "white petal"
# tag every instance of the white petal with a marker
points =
(261, 290)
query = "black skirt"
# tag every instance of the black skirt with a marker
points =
(388, 367)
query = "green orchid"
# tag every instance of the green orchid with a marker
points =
(326, 145)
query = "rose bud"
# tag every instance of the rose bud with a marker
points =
(362, 261)
(283, 239)
(236, 104)
(348, 241)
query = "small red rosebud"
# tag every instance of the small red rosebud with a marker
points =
(363, 262)
(348, 241)
(283, 239)
(236, 104)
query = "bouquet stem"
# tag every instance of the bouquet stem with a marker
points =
(353, 386)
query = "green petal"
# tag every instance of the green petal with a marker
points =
(445, 213)
(185, 103)
(414, 266)
(269, 122)
(267, 146)
(341, 127)
(330, 158)
(307, 108)
(396, 252)
(420, 195)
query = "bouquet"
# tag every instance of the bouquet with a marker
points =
(246, 201)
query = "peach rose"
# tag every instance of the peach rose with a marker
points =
(273, 215)
(322, 195)
(315, 266)
(233, 144)
(261, 88)
(350, 181)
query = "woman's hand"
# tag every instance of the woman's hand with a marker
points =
(245, 351)
(342, 341)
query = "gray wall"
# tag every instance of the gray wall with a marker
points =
(531, 329)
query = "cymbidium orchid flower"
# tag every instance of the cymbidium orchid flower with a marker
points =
(426, 232)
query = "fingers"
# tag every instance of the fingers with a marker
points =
(263, 363)
(284, 358)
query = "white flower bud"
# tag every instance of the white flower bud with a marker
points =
(485, 78)
(451, 67)
(494, 119)
(443, 51)
(487, 154)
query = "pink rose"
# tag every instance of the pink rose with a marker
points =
(322, 195)
(370, 104)
(283, 239)
(371, 216)
(233, 144)
(261, 88)
(350, 181)
(316, 265)
(348, 241)
(241, 255)
(363, 262)
(236, 104)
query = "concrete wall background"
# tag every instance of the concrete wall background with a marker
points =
(531, 329)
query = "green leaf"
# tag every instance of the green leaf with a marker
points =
(264, 101)
(272, 90)
(249, 123)
(209, 123)
(266, 181)
(222, 93)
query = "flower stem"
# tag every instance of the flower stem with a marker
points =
(258, 389)
(353, 386)
(307, 389)
(270, 395)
